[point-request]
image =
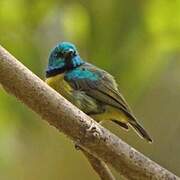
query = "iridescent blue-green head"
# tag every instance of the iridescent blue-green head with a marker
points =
(62, 58)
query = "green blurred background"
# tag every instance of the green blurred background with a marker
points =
(135, 40)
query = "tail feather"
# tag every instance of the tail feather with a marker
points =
(140, 130)
(123, 125)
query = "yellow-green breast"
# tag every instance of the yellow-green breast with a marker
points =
(60, 85)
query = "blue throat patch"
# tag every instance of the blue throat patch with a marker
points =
(57, 66)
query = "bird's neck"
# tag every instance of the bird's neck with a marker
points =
(69, 65)
(55, 71)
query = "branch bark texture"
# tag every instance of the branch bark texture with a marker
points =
(99, 166)
(21, 82)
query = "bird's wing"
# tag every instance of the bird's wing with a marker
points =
(99, 85)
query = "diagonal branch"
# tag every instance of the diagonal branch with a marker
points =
(99, 166)
(51, 106)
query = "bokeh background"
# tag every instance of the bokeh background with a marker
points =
(135, 40)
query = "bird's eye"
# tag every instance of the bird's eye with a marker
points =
(74, 53)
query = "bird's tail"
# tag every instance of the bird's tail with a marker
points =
(140, 130)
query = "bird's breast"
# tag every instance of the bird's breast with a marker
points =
(60, 85)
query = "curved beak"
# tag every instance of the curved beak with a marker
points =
(69, 53)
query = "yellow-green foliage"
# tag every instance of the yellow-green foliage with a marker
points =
(136, 41)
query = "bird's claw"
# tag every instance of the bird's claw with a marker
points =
(95, 130)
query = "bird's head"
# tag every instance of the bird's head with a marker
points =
(62, 58)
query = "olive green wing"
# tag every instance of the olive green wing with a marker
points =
(101, 86)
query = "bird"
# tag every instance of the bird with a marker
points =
(91, 89)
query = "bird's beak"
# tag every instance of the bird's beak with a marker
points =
(69, 53)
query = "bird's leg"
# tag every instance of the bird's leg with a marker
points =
(93, 127)
(95, 130)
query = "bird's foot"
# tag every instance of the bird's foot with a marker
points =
(95, 130)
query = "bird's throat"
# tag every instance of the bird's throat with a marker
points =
(55, 71)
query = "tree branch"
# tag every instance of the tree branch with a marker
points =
(51, 106)
(99, 166)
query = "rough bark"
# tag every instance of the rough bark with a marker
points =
(51, 106)
(99, 166)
